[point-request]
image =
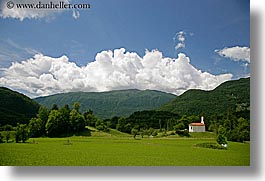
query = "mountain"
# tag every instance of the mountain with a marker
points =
(112, 103)
(16, 107)
(231, 94)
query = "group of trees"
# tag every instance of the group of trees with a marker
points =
(144, 120)
(20, 133)
(151, 122)
(60, 121)
(141, 131)
(6, 133)
(235, 124)
(56, 122)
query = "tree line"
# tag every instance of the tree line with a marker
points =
(57, 122)
(234, 123)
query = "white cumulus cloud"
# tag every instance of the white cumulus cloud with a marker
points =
(76, 14)
(9, 9)
(179, 39)
(179, 45)
(111, 70)
(236, 53)
(180, 36)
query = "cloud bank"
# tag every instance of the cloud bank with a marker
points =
(235, 53)
(111, 70)
(8, 10)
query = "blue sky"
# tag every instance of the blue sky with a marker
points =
(135, 25)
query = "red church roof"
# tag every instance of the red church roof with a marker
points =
(197, 124)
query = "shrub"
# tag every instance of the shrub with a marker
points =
(100, 127)
(154, 133)
(106, 129)
(163, 134)
(172, 133)
(211, 145)
(221, 139)
(183, 133)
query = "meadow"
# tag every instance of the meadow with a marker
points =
(121, 151)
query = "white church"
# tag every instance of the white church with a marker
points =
(197, 127)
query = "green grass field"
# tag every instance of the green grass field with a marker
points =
(122, 151)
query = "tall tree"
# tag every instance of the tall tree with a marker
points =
(35, 127)
(55, 107)
(76, 106)
(121, 124)
(55, 125)
(134, 132)
(43, 115)
(66, 119)
(7, 135)
(66, 106)
(22, 133)
(90, 118)
(77, 121)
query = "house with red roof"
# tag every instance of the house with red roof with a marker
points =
(197, 127)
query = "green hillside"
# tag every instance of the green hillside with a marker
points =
(112, 103)
(16, 107)
(231, 94)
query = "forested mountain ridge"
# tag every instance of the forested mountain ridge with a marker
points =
(235, 95)
(112, 103)
(16, 107)
(229, 95)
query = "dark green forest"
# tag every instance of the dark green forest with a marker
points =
(16, 107)
(112, 103)
(229, 95)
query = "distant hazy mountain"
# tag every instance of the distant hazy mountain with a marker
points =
(112, 103)
(16, 107)
(230, 94)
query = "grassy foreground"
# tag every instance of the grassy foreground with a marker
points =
(118, 151)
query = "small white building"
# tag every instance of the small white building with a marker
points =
(197, 127)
